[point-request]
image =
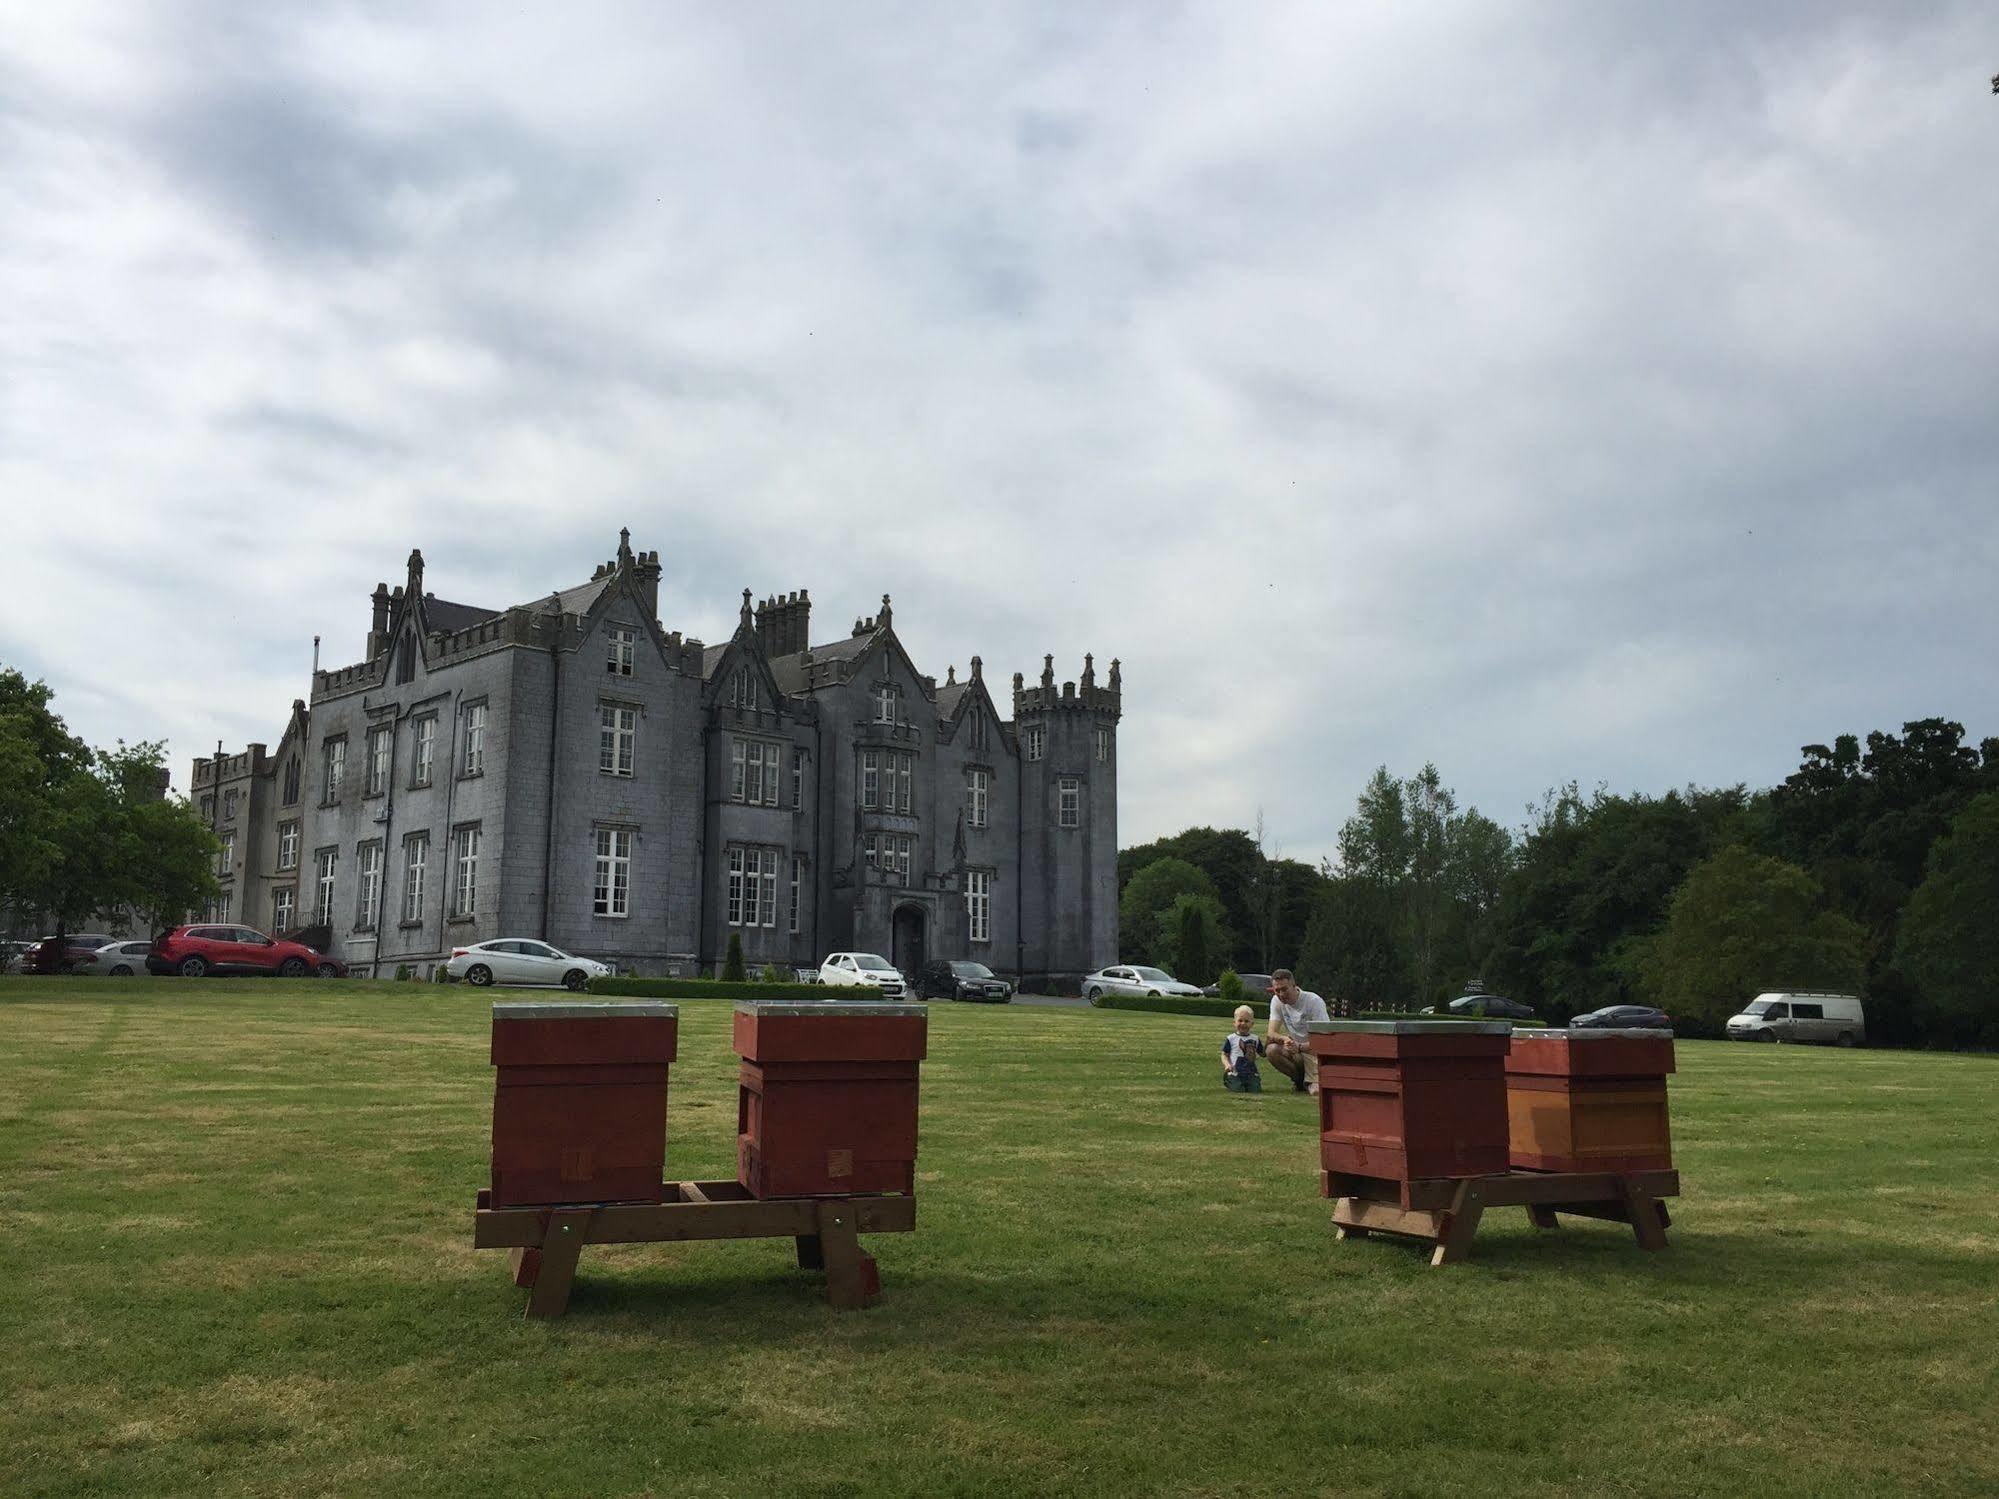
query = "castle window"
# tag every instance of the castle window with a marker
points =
(416, 859)
(870, 780)
(288, 845)
(1103, 746)
(335, 764)
(475, 739)
(885, 696)
(612, 894)
(617, 738)
(978, 791)
(743, 689)
(226, 860)
(979, 905)
(1036, 741)
(620, 646)
(323, 906)
(978, 730)
(797, 782)
(901, 775)
(283, 903)
(753, 887)
(423, 750)
(406, 660)
(291, 782)
(465, 872)
(797, 884)
(753, 771)
(228, 805)
(378, 762)
(1068, 802)
(368, 907)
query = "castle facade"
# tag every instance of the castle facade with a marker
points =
(570, 771)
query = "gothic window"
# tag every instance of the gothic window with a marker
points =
(378, 762)
(1069, 802)
(335, 752)
(620, 648)
(416, 860)
(979, 904)
(423, 749)
(885, 703)
(1103, 745)
(291, 782)
(612, 894)
(1036, 741)
(617, 738)
(406, 660)
(475, 740)
(978, 796)
(369, 905)
(465, 872)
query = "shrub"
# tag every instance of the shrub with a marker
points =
(733, 971)
(1165, 1004)
(1233, 989)
(404, 973)
(664, 988)
(773, 974)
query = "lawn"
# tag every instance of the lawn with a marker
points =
(237, 1260)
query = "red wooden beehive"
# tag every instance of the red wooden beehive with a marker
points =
(827, 1102)
(579, 1101)
(1589, 1100)
(1410, 1100)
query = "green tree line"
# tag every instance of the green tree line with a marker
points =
(1873, 869)
(85, 835)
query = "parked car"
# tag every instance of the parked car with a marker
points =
(863, 970)
(12, 955)
(943, 978)
(116, 960)
(196, 951)
(62, 954)
(1835, 1018)
(1624, 1018)
(1132, 979)
(1488, 1007)
(522, 960)
(1257, 984)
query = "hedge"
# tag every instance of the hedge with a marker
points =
(1165, 1004)
(1456, 1019)
(719, 989)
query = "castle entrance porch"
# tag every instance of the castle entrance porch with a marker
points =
(907, 936)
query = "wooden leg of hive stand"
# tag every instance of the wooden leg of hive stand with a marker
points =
(567, 1228)
(1542, 1215)
(847, 1268)
(810, 1256)
(525, 1263)
(1645, 1214)
(1459, 1225)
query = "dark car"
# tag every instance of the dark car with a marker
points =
(1490, 1006)
(1255, 983)
(942, 978)
(1624, 1018)
(62, 954)
(194, 951)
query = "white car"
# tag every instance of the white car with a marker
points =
(522, 960)
(1131, 979)
(863, 969)
(117, 959)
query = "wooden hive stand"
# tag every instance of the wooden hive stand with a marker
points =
(1445, 1212)
(546, 1241)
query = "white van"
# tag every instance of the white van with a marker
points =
(1801, 1016)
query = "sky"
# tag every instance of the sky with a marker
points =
(1568, 392)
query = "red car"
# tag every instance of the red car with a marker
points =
(194, 951)
(60, 954)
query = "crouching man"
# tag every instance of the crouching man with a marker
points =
(1292, 1011)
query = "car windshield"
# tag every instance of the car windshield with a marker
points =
(1156, 975)
(1763, 1007)
(870, 963)
(971, 970)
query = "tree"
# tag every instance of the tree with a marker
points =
(1351, 950)
(1949, 940)
(1189, 930)
(37, 754)
(1743, 923)
(171, 872)
(732, 966)
(1148, 894)
(1233, 864)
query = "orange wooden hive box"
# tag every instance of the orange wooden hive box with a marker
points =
(579, 1101)
(1410, 1100)
(827, 1102)
(1589, 1100)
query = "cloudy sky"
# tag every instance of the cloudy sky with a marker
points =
(1571, 391)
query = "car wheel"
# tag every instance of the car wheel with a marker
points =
(478, 975)
(574, 980)
(328, 971)
(123, 972)
(193, 966)
(1847, 1038)
(1093, 994)
(291, 968)
(1155, 993)
(1766, 1035)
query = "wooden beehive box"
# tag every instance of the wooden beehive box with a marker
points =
(1410, 1100)
(827, 1099)
(579, 1101)
(1589, 1100)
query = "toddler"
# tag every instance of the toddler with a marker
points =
(1240, 1049)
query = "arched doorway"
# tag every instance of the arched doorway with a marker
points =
(907, 938)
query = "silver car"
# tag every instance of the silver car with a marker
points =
(523, 960)
(1130, 978)
(115, 960)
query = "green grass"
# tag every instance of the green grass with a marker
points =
(235, 1224)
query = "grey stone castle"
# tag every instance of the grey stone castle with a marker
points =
(571, 771)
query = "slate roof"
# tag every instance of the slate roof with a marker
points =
(790, 670)
(442, 614)
(950, 695)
